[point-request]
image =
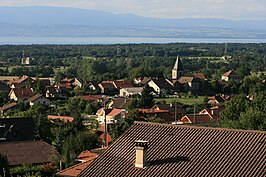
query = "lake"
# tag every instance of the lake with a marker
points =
(116, 40)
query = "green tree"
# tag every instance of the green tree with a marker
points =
(252, 119)
(76, 143)
(146, 100)
(241, 113)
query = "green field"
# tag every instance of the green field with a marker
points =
(184, 100)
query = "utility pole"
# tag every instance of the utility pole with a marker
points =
(175, 111)
(194, 117)
(105, 127)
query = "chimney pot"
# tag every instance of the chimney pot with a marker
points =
(141, 153)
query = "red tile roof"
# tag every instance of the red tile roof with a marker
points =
(35, 97)
(18, 81)
(90, 97)
(228, 73)
(152, 111)
(108, 84)
(120, 103)
(27, 152)
(86, 156)
(8, 106)
(73, 171)
(62, 118)
(200, 76)
(100, 132)
(115, 112)
(185, 79)
(122, 84)
(197, 119)
(22, 93)
(180, 150)
(107, 111)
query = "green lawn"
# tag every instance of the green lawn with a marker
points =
(184, 100)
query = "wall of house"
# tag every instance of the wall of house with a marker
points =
(40, 101)
(154, 86)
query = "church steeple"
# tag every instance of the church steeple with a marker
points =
(177, 71)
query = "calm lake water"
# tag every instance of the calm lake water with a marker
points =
(117, 40)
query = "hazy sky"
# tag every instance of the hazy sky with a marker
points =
(230, 9)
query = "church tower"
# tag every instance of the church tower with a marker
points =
(177, 71)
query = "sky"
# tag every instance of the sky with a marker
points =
(227, 9)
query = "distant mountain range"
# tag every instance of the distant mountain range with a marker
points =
(73, 22)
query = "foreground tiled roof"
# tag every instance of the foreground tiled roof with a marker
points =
(28, 152)
(179, 150)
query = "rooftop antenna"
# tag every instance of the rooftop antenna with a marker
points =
(225, 49)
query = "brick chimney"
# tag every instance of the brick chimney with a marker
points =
(141, 153)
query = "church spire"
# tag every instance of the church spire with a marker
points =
(177, 70)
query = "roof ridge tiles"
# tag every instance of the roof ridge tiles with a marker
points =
(201, 127)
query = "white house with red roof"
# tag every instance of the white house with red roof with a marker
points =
(230, 76)
(110, 115)
(20, 94)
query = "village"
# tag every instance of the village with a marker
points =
(109, 103)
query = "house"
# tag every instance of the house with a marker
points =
(23, 82)
(20, 94)
(16, 129)
(28, 152)
(7, 107)
(44, 82)
(216, 100)
(200, 76)
(4, 88)
(119, 103)
(165, 115)
(53, 92)
(77, 82)
(108, 87)
(131, 91)
(93, 85)
(230, 76)
(25, 61)
(196, 119)
(65, 119)
(38, 99)
(161, 86)
(152, 149)
(188, 83)
(110, 115)
(206, 115)
(141, 81)
(93, 98)
(119, 84)
(177, 109)
(66, 80)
